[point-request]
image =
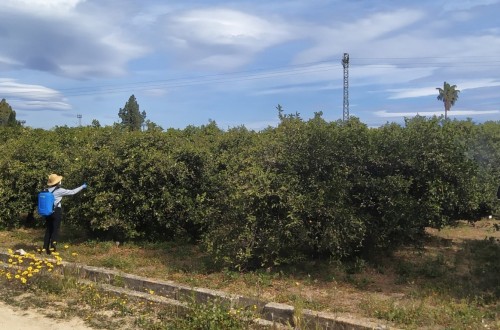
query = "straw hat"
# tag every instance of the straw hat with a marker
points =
(54, 179)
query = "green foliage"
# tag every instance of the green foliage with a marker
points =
(419, 175)
(484, 149)
(213, 315)
(449, 95)
(96, 123)
(131, 116)
(304, 189)
(417, 314)
(7, 115)
(23, 170)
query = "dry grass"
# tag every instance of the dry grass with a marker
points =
(432, 287)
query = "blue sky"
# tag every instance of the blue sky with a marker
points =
(188, 62)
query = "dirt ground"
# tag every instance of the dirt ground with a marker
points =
(394, 281)
(13, 318)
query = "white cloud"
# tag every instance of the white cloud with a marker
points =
(42, 7)
(411, 92)
(43, 105)
(426, 91)
(473, 84)
(453, 5)
(297, 89)
(283, 80)
(236, 49)
(358, 35)
(385, 114)
(155, 92)
(10, 87)
(8, 61)
(229, 27)
(66, 38)
(221, 61)
(222, 38)
(30, 97)
(387, 74)
(147, 16)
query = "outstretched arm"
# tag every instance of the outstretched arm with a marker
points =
(69, 192)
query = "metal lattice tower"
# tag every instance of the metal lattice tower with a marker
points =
(345, 64)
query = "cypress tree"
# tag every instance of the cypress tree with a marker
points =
(131, 116)
(7, 115)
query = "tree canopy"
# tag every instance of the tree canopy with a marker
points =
(7, 115)
(449, 95)
(305, 188)
(131, 116)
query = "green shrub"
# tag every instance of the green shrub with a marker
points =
(303, 189)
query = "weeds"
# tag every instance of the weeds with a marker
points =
(214, 316)
(115, 262)
(447, 283)
(431, 310)
(486, 266)
(32, 282)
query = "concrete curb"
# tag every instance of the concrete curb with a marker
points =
(176, 295)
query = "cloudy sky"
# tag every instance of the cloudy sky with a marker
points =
(191, 61)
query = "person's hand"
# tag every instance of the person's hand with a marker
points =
(84, 185)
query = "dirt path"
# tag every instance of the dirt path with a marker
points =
(13, 318)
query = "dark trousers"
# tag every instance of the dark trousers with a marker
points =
(53, 225)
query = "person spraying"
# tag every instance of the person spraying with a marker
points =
(53, 221)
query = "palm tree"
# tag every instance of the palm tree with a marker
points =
(449, 95)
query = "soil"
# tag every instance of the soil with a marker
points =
(14, 318)
(330, 292)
